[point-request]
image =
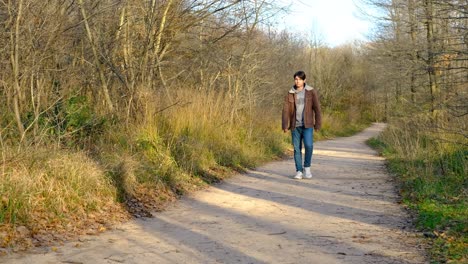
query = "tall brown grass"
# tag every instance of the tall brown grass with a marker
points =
(147, 162)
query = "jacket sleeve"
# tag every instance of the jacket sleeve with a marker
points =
(285, 116)
(317, 110)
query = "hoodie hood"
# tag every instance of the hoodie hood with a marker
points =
(307, 87)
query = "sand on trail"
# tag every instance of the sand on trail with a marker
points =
(347, 213)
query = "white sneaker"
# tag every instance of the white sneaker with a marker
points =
(308, 174)
(298, 175)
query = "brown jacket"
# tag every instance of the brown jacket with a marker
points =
(312, 114)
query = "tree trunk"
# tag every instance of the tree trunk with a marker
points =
(97, 63)
(413, 28)
(14, 59)
(434, 89)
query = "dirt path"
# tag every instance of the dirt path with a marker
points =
(348, 213)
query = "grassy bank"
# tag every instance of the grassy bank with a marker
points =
(91, 180)
(432, 171)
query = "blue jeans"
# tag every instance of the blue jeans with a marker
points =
(299, 135)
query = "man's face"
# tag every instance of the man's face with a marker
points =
(299, 82)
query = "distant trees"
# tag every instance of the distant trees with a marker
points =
(420, 48)
(114, 52)
(66, 65)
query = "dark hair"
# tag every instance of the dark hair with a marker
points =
(300, 74)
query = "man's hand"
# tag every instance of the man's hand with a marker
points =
(285, 130)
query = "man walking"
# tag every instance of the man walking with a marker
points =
(301, 115)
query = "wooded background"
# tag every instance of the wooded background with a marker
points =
(142, 101)
(420, 57)
(131, 60)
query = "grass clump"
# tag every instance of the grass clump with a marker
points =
(341, 124)
(53, 189)
(432, 172)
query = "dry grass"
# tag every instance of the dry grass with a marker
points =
(432, 167)
(341, 124)
(49, 189)
(138, 167)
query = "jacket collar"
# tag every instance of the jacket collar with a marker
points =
(307, 87)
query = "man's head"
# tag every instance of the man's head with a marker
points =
(301, 75)
(299, 79)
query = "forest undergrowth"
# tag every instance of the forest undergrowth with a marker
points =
(431, 165)
(109, 171)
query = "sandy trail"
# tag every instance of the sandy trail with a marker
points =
(348, 213)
